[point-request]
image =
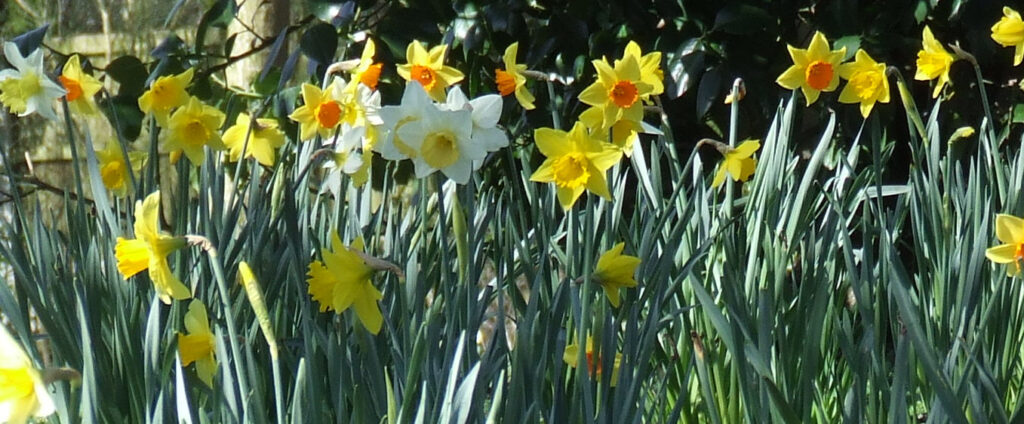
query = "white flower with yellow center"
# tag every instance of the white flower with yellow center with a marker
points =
(485, 111)
(442, 140)
(26, 88)
(414, 104)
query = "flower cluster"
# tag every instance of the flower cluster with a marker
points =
(579, 159)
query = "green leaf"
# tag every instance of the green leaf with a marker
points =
(130, 73)
(31, 40)
(319, 43)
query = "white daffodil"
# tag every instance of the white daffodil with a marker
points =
(26, 88)
(443, 141)
(364, 100)
(23, 393)
(346, 157)
(414, 104)
(485, 111)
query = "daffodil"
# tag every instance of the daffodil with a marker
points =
(263, 139)
(346, 157)
(814, 69)
(1010, 231)
(484, 112)
(616, 93)
(114, 170)
(367, 72)
(650, 68)
(738, 162)
(341, 102)
(575, 161)
(414, 104)
(23, 393)
(1009, 31)
(866, 84)
(194, 126)
(933, 61)
(342, 280)
(511, 79)
(149, 250)
(442, 140)
(428, 69)
(622, 134)
(80, 86)
(26, 88)
(165, 94)
(594, 364)
(198, 344)
(321, 111)
(614, 271)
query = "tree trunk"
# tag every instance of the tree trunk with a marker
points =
(256, 22)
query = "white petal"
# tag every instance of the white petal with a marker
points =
(460, 170)
(352, 163)
(490, 139)
(456, 99)
(486, 110)
(13, 56)
(412, 133)
(422, 169)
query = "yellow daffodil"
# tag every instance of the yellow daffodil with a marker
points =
(165, 94)
(575, 161)
(593, 364)
(342, 280)
(650, 68)
(198, 345)
(814, 69)
(933, 61)
(263, 140)
(428, 69)
(617, 93)
(349, 103)
(614, 271)
(193, 126)
(866, 84)
(1010, 231)
(320, 113)
(114, 170)
(623, 132)
(738, 162)
(81, 87)
(511, 79)
(23, 392)
(367, 72)
(1009, 31)
(149, 250)
(26, 88)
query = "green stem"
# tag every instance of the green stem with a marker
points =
(225, 300)
(555, 120)
(993, 144)
(734, 115)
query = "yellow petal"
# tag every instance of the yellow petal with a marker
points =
(1009, 229)
(1002, 254)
